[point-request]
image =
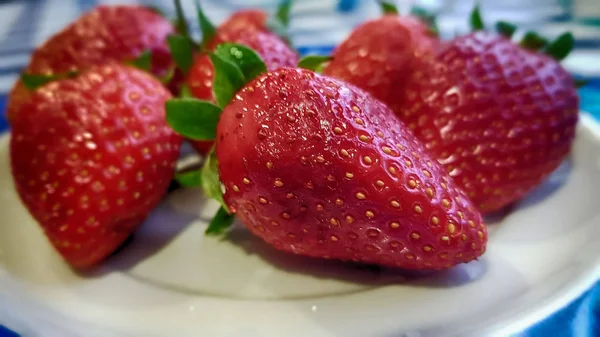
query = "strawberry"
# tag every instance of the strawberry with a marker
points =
(380, 54)
(500, 116)
(247, 27)
(318, 167)
(92, 156)
(106, 33)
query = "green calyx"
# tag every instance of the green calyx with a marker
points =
(315, 63)
(388, 7)
(35, 81)
(561, 46)
(235, 65)
(476, 20)
(506, 29)
(182, 45)
(533, 41)
(558, 49)
(143, 61)
(428, 18)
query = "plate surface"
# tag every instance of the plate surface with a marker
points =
(171, 280)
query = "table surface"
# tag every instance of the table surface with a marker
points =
(25, 24)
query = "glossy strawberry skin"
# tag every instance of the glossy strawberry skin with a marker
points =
(380, 54)
(500, 118)
(106, 33)
(274, 52)
(91, 157)
(317, 167)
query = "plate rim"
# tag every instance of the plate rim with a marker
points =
(533, 314)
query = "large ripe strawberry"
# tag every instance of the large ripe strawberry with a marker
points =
(317, 167)
(380, 54)
(500, 116)
(246, 27)
(92, 156)
(106, 33)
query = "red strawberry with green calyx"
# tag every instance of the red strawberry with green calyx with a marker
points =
(380, 54)
(500, 116)
(91, 156)
(106, 33)
(252, 28)
(320, 168)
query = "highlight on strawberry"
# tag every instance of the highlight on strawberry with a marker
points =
(253, 28)
(317, 167)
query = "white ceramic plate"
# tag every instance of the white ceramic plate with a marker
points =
(172, 281)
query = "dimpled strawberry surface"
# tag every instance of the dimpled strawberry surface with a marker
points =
(319, 168)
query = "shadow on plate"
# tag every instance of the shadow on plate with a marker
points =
(163, 226)
(352, 272)
(538, 195)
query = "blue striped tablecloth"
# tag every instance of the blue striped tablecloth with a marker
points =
(317, 26)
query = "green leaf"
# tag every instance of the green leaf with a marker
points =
(476, 20)
(220, 222)
(283, 12)
(426, 17)
(580, 83)
(561, 47)
(227, 81)
(182, 51)
(533, 41)
(166, 78)
(189, 179)
(34, 81)
(143, 61)
(388, 7)
(246, 59)
(506, 28)
(208, 29)
(210, 179)
(193, 118)
(185, 92)
(181, 24)
(314, 62)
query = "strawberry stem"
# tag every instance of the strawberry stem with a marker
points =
(182, 51)
(283, 12)
(280, 23)
(208, 29)
(181, 24)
